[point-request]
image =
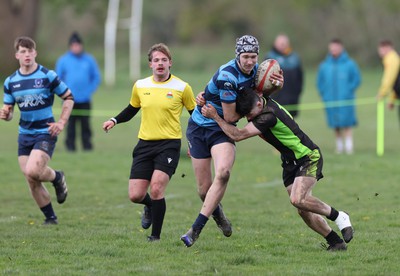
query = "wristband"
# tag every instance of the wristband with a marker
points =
(113, 120)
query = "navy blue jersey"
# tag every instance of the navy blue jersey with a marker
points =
(34, 95)
(223, 87)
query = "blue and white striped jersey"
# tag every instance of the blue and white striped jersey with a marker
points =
(34, 95)
(223, 87)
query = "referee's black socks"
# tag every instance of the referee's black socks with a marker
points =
(158, 213)
(147, 200)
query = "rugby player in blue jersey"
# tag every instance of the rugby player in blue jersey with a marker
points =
(301, 161)
(208, 143)
(32, 87)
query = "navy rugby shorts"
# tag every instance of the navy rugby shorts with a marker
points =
(202, 139)
(28, 142)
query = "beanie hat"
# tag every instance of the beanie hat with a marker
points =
(246, 44)
(75, 38)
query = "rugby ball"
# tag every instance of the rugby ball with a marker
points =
(264, 72)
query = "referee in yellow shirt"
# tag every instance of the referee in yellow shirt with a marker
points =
(161, 97)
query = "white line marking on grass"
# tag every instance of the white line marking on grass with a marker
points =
(119, 206)
(273, 183)
(172, 196)
(7, 219)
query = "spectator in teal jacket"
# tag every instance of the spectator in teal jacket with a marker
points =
(338, 78)
(80, 72)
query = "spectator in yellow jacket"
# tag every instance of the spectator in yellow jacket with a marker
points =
(390, 83)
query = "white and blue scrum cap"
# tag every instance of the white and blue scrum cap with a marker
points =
(246, 44)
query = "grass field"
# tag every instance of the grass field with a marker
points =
(99, 230)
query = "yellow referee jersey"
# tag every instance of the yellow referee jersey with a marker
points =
(161, 104)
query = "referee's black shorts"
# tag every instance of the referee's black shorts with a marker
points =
(160, 155)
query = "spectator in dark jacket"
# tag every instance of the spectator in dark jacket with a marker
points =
(290, 63)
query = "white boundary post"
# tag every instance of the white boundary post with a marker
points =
(109, 41)
(135, 38)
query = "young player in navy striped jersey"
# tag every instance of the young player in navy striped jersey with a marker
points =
(32, 87)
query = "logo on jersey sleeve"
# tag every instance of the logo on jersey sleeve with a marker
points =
(227, 94)
(228, 85)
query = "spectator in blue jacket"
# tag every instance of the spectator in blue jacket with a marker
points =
(79, 70)
(338, 77)
(290, 63)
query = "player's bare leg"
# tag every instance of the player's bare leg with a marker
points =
(311, 210)
(36, 171)
(301, 196)
(203, 174)
(223, 156)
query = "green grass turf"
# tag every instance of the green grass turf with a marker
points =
(100, 233)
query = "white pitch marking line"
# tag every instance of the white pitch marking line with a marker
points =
(273, 183)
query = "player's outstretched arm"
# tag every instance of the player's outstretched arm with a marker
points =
(230, 114)
(232, 131)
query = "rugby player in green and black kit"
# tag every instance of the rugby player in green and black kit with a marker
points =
(301, 161)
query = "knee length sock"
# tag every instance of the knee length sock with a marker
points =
(158, 210)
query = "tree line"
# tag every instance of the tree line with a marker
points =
(310, 24)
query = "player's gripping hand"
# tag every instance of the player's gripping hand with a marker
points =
(209, 111)
(200, 101)
(277, 79)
